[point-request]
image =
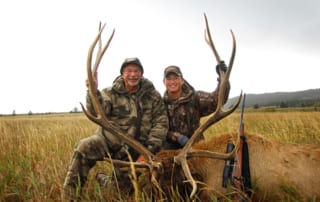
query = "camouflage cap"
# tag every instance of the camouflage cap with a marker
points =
(172, 69)
(128, 61)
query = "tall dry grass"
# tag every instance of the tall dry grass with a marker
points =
(34, 154)
(35, 150)
(295, 127)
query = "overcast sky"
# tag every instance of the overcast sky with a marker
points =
(44, 45)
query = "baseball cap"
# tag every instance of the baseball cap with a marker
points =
(172, 69)
(128, 61)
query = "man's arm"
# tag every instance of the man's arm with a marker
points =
(104, 100)
(208, 101)
(160, 125)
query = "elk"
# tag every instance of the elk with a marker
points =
(275, 166)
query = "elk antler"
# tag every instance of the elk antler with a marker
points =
(216, 116)
(100, 117)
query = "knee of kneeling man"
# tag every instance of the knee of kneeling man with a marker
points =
(91, 148)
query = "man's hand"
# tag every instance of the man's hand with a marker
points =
(173, 136)
(141, 159)
(177, 137)
(221, 67)
(95, 81)
(182, 140)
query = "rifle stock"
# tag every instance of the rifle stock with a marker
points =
(237, 170)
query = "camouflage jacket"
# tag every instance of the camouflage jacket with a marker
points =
(141, 115)
(185, 112)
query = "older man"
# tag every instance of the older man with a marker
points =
(136, 106)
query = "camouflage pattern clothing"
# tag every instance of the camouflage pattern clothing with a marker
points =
(185, 112)
(141, 115)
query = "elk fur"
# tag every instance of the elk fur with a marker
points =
(278, 170)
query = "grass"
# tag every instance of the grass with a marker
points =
(295, 127)
(35, 150)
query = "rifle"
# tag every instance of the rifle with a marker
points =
(233, 167)
(237, 170)
(241, 171)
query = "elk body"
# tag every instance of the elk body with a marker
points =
(279, 170)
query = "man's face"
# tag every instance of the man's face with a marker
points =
(131, 76)
(173, 83)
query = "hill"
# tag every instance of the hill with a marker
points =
(281, 99)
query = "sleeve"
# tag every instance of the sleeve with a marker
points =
(208, 101)
(104, 100)
(160, 124)
(114, 143)
(89, 104)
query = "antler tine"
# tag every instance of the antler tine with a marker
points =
(92, 88)
(216, 116)
(95, 70)
(101, 51)
(233, 54)
(207, 36)
(215, 155)
(100, 117)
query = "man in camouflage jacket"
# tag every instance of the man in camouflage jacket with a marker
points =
(136, 106)
(185, 106)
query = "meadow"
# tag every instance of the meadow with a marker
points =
(35, 150)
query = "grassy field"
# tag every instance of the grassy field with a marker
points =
(35, 150)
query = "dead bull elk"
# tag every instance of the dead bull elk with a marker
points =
(277, 169)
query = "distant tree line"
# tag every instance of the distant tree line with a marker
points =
(306, 98)
(287, 104)
(14, 113)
